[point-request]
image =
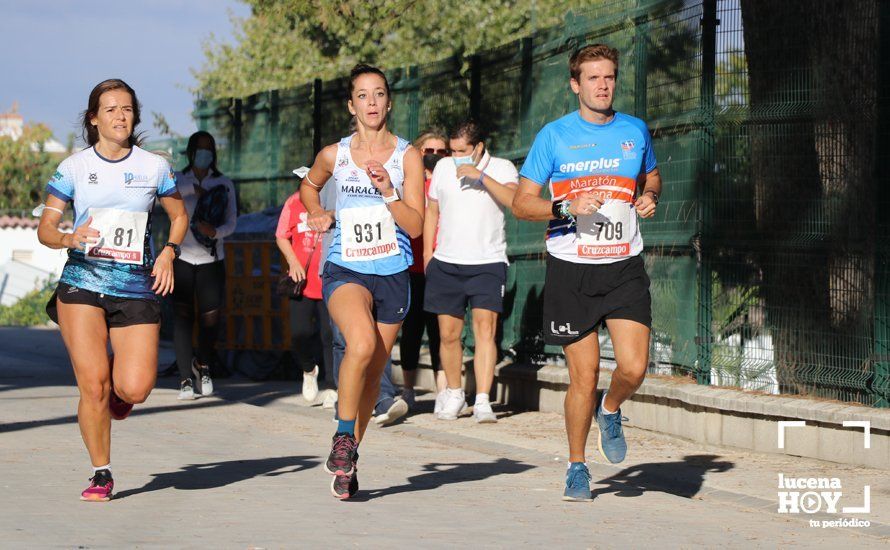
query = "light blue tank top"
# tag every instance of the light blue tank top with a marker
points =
(355, 190)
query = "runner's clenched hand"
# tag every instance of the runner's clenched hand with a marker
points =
(645, 205)
(82, 236)
(584, 204)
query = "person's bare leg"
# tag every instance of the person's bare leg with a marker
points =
(350, 308)
(630, 340)
(485, 324)
(86, 335)
(135, 361)
(451, 351)
(386, 338)
(583, 359)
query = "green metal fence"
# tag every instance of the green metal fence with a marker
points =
(767, 256)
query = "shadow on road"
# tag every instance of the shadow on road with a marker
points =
(137, 411)
(219, 474)
(436, 475)
(683, 478)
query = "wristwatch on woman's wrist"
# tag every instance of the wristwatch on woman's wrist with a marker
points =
(176, 250)
(392, 198)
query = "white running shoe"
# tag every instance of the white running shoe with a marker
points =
(440, 400)
(310, 385)
(453, 402)
(397, 410)
(186, 391)
(483, 414)
(202, 379)
(330, 399)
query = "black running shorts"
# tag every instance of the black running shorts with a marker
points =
(119, 312)
(578, 298)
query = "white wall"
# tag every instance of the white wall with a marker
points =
(21, 238)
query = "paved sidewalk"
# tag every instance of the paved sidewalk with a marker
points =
(243, 471)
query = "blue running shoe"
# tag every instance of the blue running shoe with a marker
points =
(611, 440)
(577, 483)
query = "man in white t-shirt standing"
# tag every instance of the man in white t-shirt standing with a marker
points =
(464, 224)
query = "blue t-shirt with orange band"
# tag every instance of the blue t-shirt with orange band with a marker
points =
(573, 155)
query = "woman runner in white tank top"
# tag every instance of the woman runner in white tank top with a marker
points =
(365, 284)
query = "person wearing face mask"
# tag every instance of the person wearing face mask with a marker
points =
(210, 201)
(468, 264)
(432, 144)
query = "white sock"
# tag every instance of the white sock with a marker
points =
(603, 406)
(106, 467)
(481, 399)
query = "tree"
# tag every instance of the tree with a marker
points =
(24, 168)
(813, 95)
(286, 43)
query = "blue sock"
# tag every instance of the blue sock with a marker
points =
(346, 427)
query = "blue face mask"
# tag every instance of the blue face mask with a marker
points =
(462, 160)
(203, 159)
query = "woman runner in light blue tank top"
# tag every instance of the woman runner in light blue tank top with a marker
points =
(379, 179)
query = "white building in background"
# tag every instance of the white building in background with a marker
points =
(25, 264)
(12, 124)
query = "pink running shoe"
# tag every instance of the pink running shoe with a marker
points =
(100, 487)
(120, 409)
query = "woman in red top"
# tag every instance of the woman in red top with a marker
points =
(308, 314)
(433, 144)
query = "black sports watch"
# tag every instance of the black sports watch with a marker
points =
(176, 250)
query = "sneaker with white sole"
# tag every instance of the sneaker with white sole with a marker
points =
(398, 409)
(452, 404)
(330, 399)
(440, 400)
(483, 414)
(310, 385)
(186, 391)
(203, 382)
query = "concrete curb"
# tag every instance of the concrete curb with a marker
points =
(721, 416)
(706, 414)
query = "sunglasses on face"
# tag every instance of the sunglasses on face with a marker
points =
(440, 152)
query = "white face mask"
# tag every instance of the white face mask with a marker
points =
(203, 159)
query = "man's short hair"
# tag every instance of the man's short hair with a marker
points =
(470, 130)
(591, 53)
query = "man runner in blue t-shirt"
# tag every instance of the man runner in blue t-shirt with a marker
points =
(602, 175)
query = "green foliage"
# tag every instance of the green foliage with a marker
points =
(30, 310)
(286, 43)
(23, 171)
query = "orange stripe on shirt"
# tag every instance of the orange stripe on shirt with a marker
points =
(605, 185)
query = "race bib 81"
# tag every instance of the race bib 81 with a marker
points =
(121, 236)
